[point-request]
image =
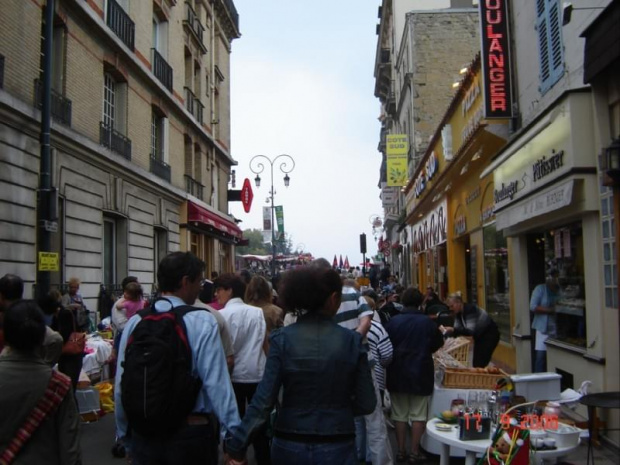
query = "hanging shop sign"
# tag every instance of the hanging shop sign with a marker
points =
(495, 58)
(432, 230)
(389, 196)
(397, 148)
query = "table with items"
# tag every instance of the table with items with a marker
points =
(448, 436)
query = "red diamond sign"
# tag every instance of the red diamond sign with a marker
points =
(246, 195)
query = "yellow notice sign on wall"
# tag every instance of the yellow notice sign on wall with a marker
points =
(397, 171)
(397, 148)
(48, 261)
(396, 144)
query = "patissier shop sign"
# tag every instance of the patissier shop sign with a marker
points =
(495, 58)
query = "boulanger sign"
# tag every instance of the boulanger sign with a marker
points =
(495, 58)
(431, 230)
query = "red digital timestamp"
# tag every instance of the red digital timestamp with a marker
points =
(531, 421)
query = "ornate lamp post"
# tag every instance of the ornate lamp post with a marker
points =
(257, 166)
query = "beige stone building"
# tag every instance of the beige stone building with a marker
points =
(421, 47)
(140, 136)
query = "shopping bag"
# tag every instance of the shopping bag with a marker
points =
(106, 396)
(75, 344)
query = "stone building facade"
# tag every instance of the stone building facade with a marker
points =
(419, 55)
(140, 131)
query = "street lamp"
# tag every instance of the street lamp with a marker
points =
(257, 166)
(377, 225)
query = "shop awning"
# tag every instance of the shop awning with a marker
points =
(552, 199)
(198, 214)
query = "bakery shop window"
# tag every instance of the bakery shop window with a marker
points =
(562, 250)
(496, 280)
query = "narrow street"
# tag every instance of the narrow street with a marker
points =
(98, 438)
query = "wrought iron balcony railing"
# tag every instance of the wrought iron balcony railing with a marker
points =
(199, 107)
(114, 140)
(189, 99)
(120, 22)
(193, 105)
(194, 25)
(193, 187)
(160, 168)
(162, 70)
(60, 105)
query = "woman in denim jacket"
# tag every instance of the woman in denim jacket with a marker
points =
(324, 372)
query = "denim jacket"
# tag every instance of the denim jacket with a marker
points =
(324, 371)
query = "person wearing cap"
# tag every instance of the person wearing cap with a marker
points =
(542, 305)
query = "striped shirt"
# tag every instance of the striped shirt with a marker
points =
(381, 350)
(352, 308)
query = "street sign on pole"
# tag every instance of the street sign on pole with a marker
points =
(246, 195)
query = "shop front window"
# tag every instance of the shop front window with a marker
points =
(562, 249)
(496, 280)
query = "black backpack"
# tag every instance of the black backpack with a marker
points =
(158, 390)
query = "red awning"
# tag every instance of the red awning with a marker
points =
(198, 214)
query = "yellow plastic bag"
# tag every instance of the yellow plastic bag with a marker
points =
(106, 396)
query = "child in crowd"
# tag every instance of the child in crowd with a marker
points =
(132, 301)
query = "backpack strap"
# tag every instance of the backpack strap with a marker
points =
(53, 395)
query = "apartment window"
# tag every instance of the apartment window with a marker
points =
(109, 251)
(159, 145)
(160, 36)
(550, 46)
(160, 246)
(59, 42)
(114, 249)
(157, 136)
(109, 100)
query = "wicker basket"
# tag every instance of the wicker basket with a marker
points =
(460, 352)
(471, 379)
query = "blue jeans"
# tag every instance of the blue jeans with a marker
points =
(285, 452)
(540, 361)
(361, 447)
(192, 445)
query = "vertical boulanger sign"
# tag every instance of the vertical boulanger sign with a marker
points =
(397, 148)
(496, 58)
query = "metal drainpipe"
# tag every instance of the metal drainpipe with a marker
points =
(45, 195)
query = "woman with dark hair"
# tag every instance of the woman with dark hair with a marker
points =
(323, 369)
(63, 321)
(51, 434)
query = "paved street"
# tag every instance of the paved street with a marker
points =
(98, 438)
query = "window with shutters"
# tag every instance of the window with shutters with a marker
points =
(550, 47)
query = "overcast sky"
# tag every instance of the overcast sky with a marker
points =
(302, 84)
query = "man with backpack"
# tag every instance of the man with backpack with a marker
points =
(172, 382)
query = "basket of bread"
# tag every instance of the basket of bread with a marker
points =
(472, 378)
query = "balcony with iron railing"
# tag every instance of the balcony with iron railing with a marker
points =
(193, 187)
(119, 21)
(160, 168)
(1, 71)
(162, 70)
(60, 105)
(114, 140)
(193, 105)
(194, 26)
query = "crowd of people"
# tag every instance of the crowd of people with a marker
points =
(313, 371)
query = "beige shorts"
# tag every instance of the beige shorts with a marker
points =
(409, 407)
